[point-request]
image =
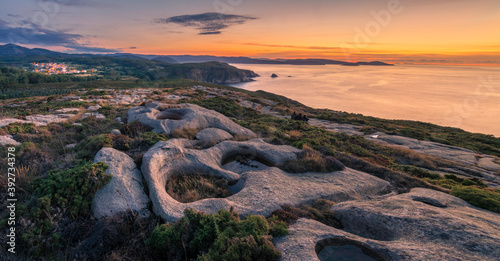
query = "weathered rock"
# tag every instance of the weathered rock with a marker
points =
(489, 162)
(5, 122)
(71, 146)
(94, 108)
(8, 140)
(213, 135)
(274, 75)
(336, 127)
(175, 97)
(116, 132)
(125, 191)
(94, 114)
(46, 119)
(265, 189)
(66, 110)
(420, 225)
(184, 116)
(249, 104)
(427, 147)
(466, 160)
(40, 120)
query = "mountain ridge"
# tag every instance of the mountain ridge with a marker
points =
(16, 50)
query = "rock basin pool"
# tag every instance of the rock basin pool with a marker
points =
(341, 249)
(343, 253)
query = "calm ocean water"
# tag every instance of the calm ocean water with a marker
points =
(466, 97)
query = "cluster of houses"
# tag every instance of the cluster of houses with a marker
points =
(57, 68)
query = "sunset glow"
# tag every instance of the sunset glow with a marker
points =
(418, 31)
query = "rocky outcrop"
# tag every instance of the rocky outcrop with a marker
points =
(265, 188)
(420, 225)
(184, 116)
(8, 140)
(214, 135)
(125, 191)
(274, 75)
(41, 120)
(466, 162)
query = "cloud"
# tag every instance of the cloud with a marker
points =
(92, 49)
(79, 3)
(33, 34)
(207, 23)
(296, 46)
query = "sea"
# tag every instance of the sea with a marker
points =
(466, 97)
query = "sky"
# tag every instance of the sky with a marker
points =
(399, 31)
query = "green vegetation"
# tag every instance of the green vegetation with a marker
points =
(478, 197)
(191, 187)
(10, 77)
(38, 106)
(72, 189)
(310, 160)
(221, 236)
(319, 210)
(53, 195)
(486, 144)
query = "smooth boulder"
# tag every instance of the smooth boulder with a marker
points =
(125, 191)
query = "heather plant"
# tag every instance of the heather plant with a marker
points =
(220, 236)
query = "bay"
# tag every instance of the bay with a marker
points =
(466, 97)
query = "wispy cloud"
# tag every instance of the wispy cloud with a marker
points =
(79, 3)
(207, 23)
(33, 34)
(295, 46)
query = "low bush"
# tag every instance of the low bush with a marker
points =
(310, 160)
(416, 171)
(319, 210)
(189, 188)
(135, 129)
(220, 236)
(72, 189)
(88, 148)
(62, 193)
(486, 199)
(152, 137)
(185, 133)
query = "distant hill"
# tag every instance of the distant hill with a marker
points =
(16, 50)
(248, 60)
(165, 59)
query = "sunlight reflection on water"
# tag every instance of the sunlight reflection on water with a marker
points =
(444, 95)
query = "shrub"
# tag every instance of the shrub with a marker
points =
(320, 211)
(310, 160)
(121, 142)
(220, 236)
(88, 147)
(152, 137)
(18, 128)
(191, 187)
(185, 133)
(135, 129)
(478, 197)
(72, 189)
(416, 171)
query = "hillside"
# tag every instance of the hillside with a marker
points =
(181, 170)
(119, 66)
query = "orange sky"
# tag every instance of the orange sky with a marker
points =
(407, 31)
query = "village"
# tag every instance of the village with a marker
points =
(58, 68)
